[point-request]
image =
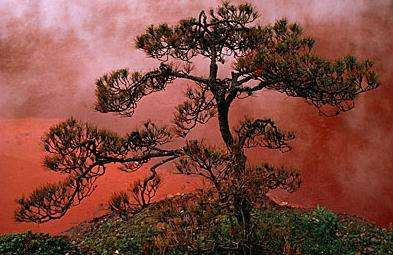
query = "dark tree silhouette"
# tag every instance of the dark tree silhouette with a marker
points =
(276, 57)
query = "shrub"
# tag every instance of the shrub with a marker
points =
(316, 232)
(36, 244)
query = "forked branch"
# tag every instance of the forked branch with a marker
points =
(83, 152)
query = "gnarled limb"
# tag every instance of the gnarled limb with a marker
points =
(120, 91)
(52, 201)
(82, 152)
(73, 147)
(220, 33)
(142, 193)
(284, 62)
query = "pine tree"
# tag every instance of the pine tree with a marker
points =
(277, 57)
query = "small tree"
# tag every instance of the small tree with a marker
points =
(270, 57)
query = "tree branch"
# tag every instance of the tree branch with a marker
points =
(199, 108)
(82, 152)
(263, 133)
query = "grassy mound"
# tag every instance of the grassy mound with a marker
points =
(169, 227)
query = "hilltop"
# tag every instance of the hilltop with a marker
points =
(172, 226)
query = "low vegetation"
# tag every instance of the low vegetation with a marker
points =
(36, 244)
(187, 225)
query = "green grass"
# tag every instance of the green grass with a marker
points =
(36, 244)
(321, 232)
(279, 230)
